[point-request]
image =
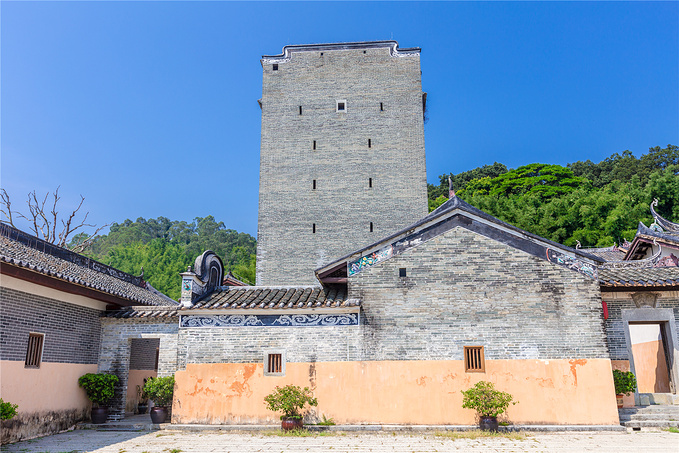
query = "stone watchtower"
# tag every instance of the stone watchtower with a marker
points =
(342, 154)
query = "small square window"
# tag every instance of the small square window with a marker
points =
(342, 106)
(402, 272)
(275, 67)
(34, 350)
(274, 363)
(474, 359)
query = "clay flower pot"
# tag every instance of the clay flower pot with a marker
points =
(99, 415)
(158, 414)
(289, 423)
(487, 423)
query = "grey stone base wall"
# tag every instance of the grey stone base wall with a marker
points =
(27, 426)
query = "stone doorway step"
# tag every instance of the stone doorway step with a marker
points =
(655, 416)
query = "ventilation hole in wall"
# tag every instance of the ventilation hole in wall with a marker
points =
(402, 272)
(34, 351)
(474, 359)
(275, 67)
(364, 51)
(321, 54)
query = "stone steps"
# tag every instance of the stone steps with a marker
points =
(656, 416)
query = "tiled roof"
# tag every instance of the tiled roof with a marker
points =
(639, 277)
(276, 298)
(250, 297)
(607, 253)
(25, 251)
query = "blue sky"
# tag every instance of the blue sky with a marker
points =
(149, 109)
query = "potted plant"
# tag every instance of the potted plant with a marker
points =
(99, 388)
(625, 383)
(488, 403)
(142, 399)
(290, 400)
(160, 391)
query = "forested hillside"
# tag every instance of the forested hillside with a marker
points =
(165, 247)
(596, 204)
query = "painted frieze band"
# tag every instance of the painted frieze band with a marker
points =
(296, 320)
(370, 260)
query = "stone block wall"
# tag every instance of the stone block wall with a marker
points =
(71, 332)
(464, 289)
(249, 344)
(116, 346)
(343, 163)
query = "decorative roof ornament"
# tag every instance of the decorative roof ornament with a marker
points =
(651, 261)
(451, 192)
(664, 224)
(578, 245)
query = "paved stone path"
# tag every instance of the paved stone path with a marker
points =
(210, 441)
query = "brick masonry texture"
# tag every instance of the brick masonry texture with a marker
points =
(143, 353)
(464, 289)
(615, 329)
(116, 347)
(72, 332)
(342, 205)
(248, 344)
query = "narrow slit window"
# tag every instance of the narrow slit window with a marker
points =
(474, 359)
(381, 107)
(300, 109)
(275, 67)
(314, 184)
(371, 227)
(274, 364)
(34, 350)
(370, 183)
(402, 272)
(313, 228)
(314, 145)
(370, 143)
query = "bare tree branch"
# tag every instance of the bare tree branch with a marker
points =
(44, 223)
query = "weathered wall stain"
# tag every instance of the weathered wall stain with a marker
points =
(574, 364)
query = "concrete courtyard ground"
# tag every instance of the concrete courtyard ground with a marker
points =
(169, 441)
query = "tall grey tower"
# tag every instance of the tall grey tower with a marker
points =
(342, 154)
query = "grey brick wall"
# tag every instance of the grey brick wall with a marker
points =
(615, 329)
(116, 346)
(143, 353)
(248, 344)
(72, 332)
(465, 289)
(343, 204)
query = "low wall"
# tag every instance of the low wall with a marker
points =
(49, 398)
(568, 392)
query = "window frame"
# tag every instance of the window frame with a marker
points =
(34, 360)
(337, 106)
(469, 356)
(266, 363)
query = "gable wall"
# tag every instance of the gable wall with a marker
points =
(462, 289)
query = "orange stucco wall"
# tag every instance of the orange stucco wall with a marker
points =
(52, 387)
(405, 392)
